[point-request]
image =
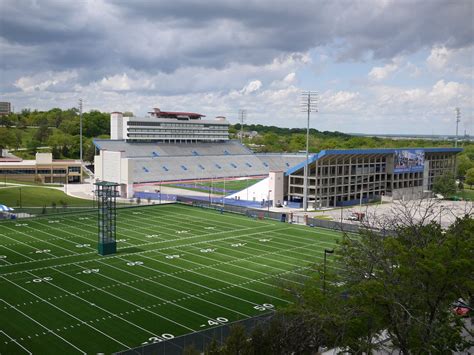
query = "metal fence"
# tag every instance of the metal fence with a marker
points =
(198, 340)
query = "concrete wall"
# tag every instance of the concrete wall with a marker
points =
(256, 192)
(276, 186)
(116, 125)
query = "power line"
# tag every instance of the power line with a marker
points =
(309, 103)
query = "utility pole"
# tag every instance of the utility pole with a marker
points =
(458, 119)
(309, 103)
(80, 130)
(242, 117)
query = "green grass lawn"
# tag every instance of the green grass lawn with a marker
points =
(178, 270)
(38, 197)
(235, 185)
(30, 183)
(466, 194)
(231, 184)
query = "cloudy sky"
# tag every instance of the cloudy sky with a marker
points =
(382, 66)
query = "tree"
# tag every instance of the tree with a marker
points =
(445, 185)
(400, 280)
(7, 138)
(463, 164)
(470, 177)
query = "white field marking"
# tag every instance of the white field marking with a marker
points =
(159, 276)
(160, 249)
(183, 292)
(120, 298)
(259, 250)
(14, 251)
(4, 259)
(293, 239)
(43, 326)
(239, 250)
(229, 216)
(14, 341)
(55, 245)
(213, 278)
(188, 281)
(29, 246)
(276, 231)
(253, 262)
(277, 228)
(286, 245)
(66, 239)
(94, 252)
(65, 312)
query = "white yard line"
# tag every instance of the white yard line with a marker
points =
(160, 298)
(191, 282)
(14, 251)
(30, 236)
(65, 312)
(120, 298)
(137, 253)
(40, 324)
(14, 341)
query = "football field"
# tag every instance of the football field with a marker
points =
(179, 269)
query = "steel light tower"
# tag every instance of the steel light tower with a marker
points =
(309, 103)
(80, 130)
(458, 119)
(242, 117)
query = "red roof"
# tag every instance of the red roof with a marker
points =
(159, 113)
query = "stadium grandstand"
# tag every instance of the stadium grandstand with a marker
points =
(178, 146)
(182, 146)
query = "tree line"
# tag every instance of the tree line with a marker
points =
(59, 130)
(56, 128)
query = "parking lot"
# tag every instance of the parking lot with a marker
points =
(444, 212)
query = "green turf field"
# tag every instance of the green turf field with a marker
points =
(179, 269)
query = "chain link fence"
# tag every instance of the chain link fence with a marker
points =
(199, 340)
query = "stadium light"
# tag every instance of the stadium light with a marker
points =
(458, 119)
(80, 130)
(326, 251)
(309, 103)
(242, 117)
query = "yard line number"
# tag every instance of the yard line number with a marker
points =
(264, 307)
(158, 339)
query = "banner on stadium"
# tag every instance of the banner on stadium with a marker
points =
(409, 161)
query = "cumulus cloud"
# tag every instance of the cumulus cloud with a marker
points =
(45, 81)
(218, 56)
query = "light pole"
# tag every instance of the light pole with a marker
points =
(326, 251)
(20, 199)
(268, 200)
(309, 100)
(458, 119)
(80, 130)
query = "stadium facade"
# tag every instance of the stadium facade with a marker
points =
(182, 146)
(347, 177)
(177, 146)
